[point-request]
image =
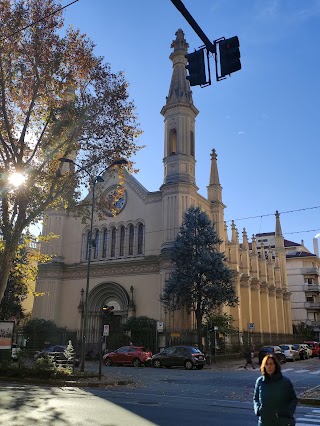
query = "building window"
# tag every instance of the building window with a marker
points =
(192, 143)
(131, 240)
(310, 299)
(88, 243)
(113, 242)
(308, 281)
(96, 244)
(140, 238)
(172, 142)
(122, 238)
(105, 243)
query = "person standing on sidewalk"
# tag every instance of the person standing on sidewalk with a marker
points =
(248, 356)
(274, 398)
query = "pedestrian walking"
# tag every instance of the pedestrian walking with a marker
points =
(274, 398)
(248, 356)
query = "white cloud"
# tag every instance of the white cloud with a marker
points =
(241, 132)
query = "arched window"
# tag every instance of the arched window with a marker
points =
(131, 239)
(105, 243)
(172, 142)
(140, 238)
(88, 242)
(96, 244)
(113, 242)
(192, 143)
(122, 236)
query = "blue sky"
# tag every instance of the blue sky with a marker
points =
(263, 121)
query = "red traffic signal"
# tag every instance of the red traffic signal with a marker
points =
(229, 56)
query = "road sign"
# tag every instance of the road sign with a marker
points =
(215, 328)
(159, 326)
(251, 325)
(106, 329)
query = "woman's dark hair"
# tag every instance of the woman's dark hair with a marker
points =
(276, 363)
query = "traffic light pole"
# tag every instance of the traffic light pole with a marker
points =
(182, 9)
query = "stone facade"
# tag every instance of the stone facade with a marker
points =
(130, 261)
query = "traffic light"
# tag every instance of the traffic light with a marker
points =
(107, 310)
(229, 56)
(196, 68)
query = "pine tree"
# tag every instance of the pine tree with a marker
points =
(201, 280)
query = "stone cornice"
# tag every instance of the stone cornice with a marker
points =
(286, 295)
(100, 269)
(272, 290)
(279, 293)
(264, 287)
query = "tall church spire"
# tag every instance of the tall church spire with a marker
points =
(214, 188)
(179, 118)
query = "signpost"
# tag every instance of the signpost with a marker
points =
(215, 329)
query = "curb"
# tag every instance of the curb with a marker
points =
(67, 383)
(306, 400)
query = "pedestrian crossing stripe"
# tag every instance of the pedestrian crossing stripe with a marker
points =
(309, 419)
(286, 369)
(316, 372)
(302, 371)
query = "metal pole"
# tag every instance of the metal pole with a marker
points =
(85, 319)
(101, 342)
(215, 346)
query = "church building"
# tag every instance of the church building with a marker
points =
(130, 260)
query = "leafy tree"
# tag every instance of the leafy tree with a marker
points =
(223, 322)
(305, 330)
(58, 99)
(143, 329)
(201, 281)
(39, 331)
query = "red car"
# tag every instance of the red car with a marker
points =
(132, 355)
(314, 346)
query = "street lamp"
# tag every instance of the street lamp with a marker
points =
(93, 181)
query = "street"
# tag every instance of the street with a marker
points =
(159, 397)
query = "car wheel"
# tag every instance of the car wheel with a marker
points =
(136, 362)
(188, 365)
(157, 363)
(108, 362)
(199, 367)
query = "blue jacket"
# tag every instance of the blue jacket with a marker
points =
(274, 400)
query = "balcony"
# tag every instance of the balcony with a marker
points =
(310, 271)
(314, 288)
(313, 323)
(312, 305)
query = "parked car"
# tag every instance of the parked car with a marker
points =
(308, 350)
(56, 350)
(314, 346)
(290, 352)
(302, 351)
(134, 355)
(180, 356)
(275, 350)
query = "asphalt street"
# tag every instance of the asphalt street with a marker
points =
(161, 397)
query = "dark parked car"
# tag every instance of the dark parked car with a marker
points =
(180, 356)
(56, 351)
(275, 350)
(134, 355)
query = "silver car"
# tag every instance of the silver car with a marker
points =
(290, 352)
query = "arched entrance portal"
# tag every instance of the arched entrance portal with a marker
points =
(110, 294)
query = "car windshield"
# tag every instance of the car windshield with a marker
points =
(195, 350)
(296, 346)
(284, 347)
(267, 349)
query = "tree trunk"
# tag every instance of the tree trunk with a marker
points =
(7, 257)
(199, 330)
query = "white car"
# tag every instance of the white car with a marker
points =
(308, 350)
(290, 352)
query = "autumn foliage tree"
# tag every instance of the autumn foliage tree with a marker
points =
(201, 281)
(58, 99)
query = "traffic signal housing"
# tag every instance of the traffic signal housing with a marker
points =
(196, 68)
(107, 310)
(229, 56)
